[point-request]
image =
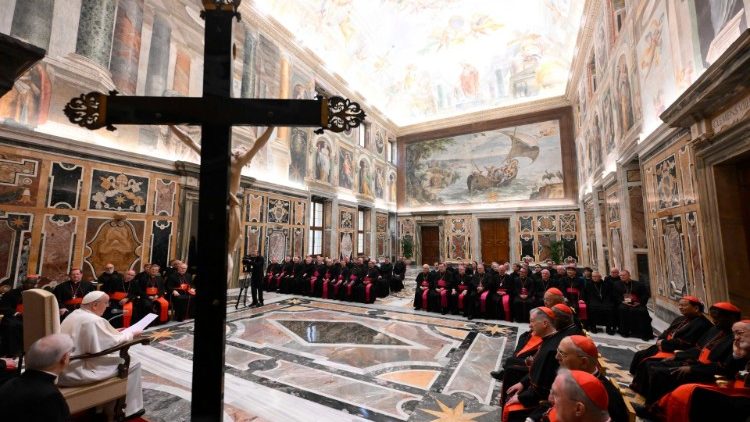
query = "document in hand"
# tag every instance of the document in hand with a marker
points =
(142, 324)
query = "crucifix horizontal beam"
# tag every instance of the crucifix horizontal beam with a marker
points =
(96, 110)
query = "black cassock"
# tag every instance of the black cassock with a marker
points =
(503, 297)
(572, 288)
(11, 325)
(632, 313)
(323, 284)
(69, 295)
(397, 281)
(527, 290)
(465, 295)
(182, 302)
(117, 289)
(443, 286)
(302, 279)
(286, 282)
(366, 290)
(486, 285)
(682, 334)
(384, 282)
(600, 301)
(423, 289)
(269, 281)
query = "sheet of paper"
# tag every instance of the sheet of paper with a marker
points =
(142, 324)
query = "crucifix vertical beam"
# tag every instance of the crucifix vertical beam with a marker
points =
(213, 226)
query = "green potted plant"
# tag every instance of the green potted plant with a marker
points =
(557, 250)
(407, 248)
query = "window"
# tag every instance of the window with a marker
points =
(390, 151)
(316, 228)
(362, 132)
(361, 233)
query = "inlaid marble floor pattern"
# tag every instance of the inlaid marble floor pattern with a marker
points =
(303, 360)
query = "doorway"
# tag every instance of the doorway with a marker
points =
(732, 190)
(495, 240)
(430, 244)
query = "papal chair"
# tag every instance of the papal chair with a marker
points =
(41, 317)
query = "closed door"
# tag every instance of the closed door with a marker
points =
(495, 241)
(430, 245)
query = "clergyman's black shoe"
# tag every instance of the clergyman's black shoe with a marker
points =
(498, 375)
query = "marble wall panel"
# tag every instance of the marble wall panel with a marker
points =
(19, 180)
(58, 243)
(458, 232)
(255, 208)
(279, 211)
(253, 236)
(166, 190)
(667, 183)
(276, 244)
(347, 245)
(617, 253)
(546, 223)
(299, 213)
(696, 258)
(570, 246)
(346, 219)
(118, 241)
(544, 249)
(115, 191)
(568, 223)
(637, 217)
(15, 238)
(65, 185)
(161, 241)
(673, 238)
(298, 245)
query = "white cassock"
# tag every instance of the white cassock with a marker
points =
(92, 334)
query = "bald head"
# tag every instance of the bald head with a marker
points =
(573, 357)
(50, 353)
(741, 334)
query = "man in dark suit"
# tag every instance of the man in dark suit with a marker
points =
(34, 397)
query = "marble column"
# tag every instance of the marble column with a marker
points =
(625, 221)
(373, 233)
(335, 229)
(181, 83)
(32, 22)
(95, 30)
(248, 65)
(158, 57)
(126, 46)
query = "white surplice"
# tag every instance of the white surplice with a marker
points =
(92, 334)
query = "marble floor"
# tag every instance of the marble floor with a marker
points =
(304, 359)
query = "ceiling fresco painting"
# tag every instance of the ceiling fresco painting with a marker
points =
(423, 60)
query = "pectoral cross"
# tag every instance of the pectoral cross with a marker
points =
(216, 112)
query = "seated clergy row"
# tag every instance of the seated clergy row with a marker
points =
(33, 396)
(131, 297)
(362, 280)
(685, 363)
(617, 302)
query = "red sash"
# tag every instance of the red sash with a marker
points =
(703, 357)
(313, 279)
(163, 308)
(76, 301)
(352, 279)
(424, 294)
(443, 293)
(483, 301)
(186, 288)
(461, 288)
(505, 298)
(152, 291)
(118, 296)
(676, 405)
(127, 314)
(532, 344)
(508, 409)
(659, 356)
(19, 308)
(368, 289)
(326, 283)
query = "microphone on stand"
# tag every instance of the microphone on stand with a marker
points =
(118, 313)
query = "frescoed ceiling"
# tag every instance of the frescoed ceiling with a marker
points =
(423, 60)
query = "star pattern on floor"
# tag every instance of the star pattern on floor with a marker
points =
(495, 329)
(452, 414)
(161, 335)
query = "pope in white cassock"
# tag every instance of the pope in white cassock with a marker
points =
(91, 334)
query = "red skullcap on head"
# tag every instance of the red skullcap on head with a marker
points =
(563, 308)
(745, 321)
(586, 344)
(593, 388)
(554, 291)
(726, 306)
(692, 299)
(547, 311)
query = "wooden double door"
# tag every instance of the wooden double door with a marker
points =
(495, 241)
(430, 244)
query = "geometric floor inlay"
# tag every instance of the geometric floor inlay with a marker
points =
(301, 359)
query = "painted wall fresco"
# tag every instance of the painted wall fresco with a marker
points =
(515, 163)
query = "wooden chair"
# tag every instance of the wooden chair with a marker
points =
(41, 317)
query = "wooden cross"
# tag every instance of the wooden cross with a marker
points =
(216, 112)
